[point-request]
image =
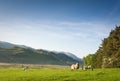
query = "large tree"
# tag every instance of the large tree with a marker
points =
(108, 54)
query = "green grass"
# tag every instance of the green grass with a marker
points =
(17, 74)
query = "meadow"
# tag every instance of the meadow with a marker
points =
(48, 74)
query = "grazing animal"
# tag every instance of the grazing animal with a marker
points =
(25, 68)
(75, 66)
(87, 67)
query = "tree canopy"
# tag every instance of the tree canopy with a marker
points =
(108, 54)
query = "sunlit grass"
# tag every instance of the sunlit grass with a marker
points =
(17, 74)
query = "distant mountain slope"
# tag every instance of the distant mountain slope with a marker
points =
(6, 44)
(11, 53)
(73, 56)
(10, 45)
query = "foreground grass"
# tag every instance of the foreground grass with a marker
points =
(17, 74)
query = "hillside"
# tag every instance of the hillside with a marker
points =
(10, 53)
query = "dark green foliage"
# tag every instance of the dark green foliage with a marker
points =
(108, 54)
(90, 60)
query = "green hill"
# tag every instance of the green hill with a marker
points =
(32, 56)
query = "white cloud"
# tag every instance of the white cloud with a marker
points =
(67, 36)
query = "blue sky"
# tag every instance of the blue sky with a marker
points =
(76, 26)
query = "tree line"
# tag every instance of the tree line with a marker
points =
(108, 53)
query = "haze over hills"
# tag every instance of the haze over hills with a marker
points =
(12, 53)
(4, 44)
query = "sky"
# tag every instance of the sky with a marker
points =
(75, 26)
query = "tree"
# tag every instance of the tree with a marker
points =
(108, 54)
(90, 60)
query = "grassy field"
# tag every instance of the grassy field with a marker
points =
(45, 74)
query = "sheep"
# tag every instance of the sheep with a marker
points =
(75, 66)
(25, 68)
(87, 67)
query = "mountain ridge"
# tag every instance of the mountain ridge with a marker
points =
(12, 53)
(4, 44)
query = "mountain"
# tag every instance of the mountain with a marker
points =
(12, 53)
(72, 56)
(4, 44)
